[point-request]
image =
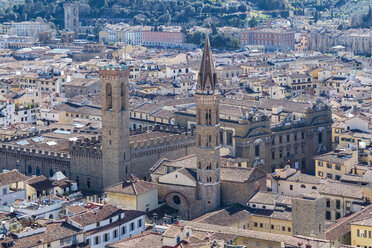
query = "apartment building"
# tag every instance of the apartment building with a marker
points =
(335, 164)
(270, 39)
(106, 224)
(361, 233)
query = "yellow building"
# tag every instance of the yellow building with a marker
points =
(133, 194)
(71, 112)
(361, 233)
(271, 224)
(268, 213)
(343, 199)
(334, 165)
(28, 97)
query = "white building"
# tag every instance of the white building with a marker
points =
(47, 207)
(13, 187)
(133, 37)
(29, 28)
(290, 182)
(45, 116)
(106, 224)
(174, 71)
(26, 115)
(7, 114)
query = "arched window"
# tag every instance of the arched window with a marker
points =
(88, 182)
(123, 96)
(51, 216)
(29, 170)
(51, 173)
(37, 171)
(108, 96)
(313, 187)
(303, 186)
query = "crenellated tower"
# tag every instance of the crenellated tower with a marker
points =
(207, 100)
(115, 123)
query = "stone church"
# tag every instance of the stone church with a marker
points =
(198, 184)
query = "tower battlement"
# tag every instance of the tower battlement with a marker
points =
(28, 135)
(163, 128)
(87, 145)
(110, 71)
(35, 152)
(154, 143)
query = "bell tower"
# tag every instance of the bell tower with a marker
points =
(115, 123)
(207, 100)
(71, 12)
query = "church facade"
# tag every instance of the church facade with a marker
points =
(198, 184)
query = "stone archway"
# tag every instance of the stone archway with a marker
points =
(178, 201)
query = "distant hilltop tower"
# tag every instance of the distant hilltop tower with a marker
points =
(115, 123)
(72, 18)
(207, 100)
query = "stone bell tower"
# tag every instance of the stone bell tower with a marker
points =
(115, 123)
(207, 100)
(71, 12)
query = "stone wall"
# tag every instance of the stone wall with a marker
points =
(308, 217)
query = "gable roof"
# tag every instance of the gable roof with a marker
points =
(237, 174)
(225, 217)
(132, 186)
(41, 183)
(54, 231)
(12, 176)
(97, 214)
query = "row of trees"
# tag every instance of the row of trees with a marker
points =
(218, 40)
(140, 11)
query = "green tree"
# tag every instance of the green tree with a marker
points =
(214, 29)
(184, 30)
(242, 7)
(316, 16)
(165, 18)
(196, 38)
(253, 22)
(98, 4)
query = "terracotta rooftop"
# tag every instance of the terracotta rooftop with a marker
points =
(11, 177)
(226, 216)
(146, 239)
(54, 232)
(41, 183)
(342, 226)
(132, 186)
(97, 214)
(254, 235)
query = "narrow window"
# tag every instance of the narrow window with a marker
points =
(257, 150)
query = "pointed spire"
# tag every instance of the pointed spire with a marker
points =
(207, 77)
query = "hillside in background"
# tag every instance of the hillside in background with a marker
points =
(187, 12)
